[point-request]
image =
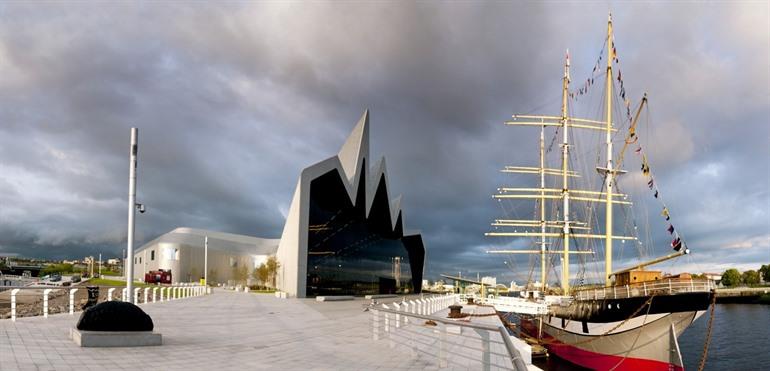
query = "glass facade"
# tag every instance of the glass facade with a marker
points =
(350, 254)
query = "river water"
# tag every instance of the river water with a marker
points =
(740, 340)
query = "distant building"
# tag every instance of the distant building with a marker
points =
(491, 281)
(113, 261)
(717, 277)
(181, 251)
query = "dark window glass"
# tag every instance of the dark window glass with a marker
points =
(348, 253)
(152, 255)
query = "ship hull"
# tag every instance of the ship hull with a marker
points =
(644, 345)
(592, 334)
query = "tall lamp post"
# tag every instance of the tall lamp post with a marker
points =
(206, 261)
(132, 207)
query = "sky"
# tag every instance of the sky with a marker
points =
(232, 100)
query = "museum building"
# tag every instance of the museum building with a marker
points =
(343, 235)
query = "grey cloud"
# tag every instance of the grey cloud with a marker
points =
(232, 101)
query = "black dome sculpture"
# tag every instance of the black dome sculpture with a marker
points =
(115, 316)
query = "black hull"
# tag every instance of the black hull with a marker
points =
(620, 309)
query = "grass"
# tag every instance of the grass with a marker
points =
(268, 291)
(106, 282)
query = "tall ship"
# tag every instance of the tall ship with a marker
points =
(624, 319)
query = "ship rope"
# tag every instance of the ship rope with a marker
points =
(705, 353)
(638, 334)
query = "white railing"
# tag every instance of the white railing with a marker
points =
(516, 305)
(660, 287)
(449, 343)
(50, 300)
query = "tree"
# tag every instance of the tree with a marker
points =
(731, 277)
(765, 270)
(272, 268)
(750, 277)
(240, 273)
(56, 268)
(261, 274)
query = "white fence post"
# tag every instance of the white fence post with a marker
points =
(109, 294)
(387, 319)
(72, 301)
(398, 316)
(375, 324)
(154, 294)
(45, 302)
(136, 295)
(146, 293)
(13, 304)
(485, 355)
(123, 296)
(442, 356)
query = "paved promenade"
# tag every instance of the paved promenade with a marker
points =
(225, 330)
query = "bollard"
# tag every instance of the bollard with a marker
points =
(109, 294)
(45, 302)
(72, 301)
(146, 293)
(123, 296)
(13, 304)
(136, 295)
(154, 294)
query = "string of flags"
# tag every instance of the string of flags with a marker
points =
(676, 242)
(589, 82)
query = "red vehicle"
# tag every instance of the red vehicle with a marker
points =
(159, 276)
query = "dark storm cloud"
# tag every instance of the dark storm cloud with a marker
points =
(232, 101)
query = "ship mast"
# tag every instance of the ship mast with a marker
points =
(566, 195)
(542, 206)
(565, 182)
(610, 172)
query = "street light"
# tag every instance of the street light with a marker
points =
(132, 207)
(206, 261)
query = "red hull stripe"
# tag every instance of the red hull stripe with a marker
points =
(598, 361)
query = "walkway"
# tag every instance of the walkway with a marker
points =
(225, 330)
